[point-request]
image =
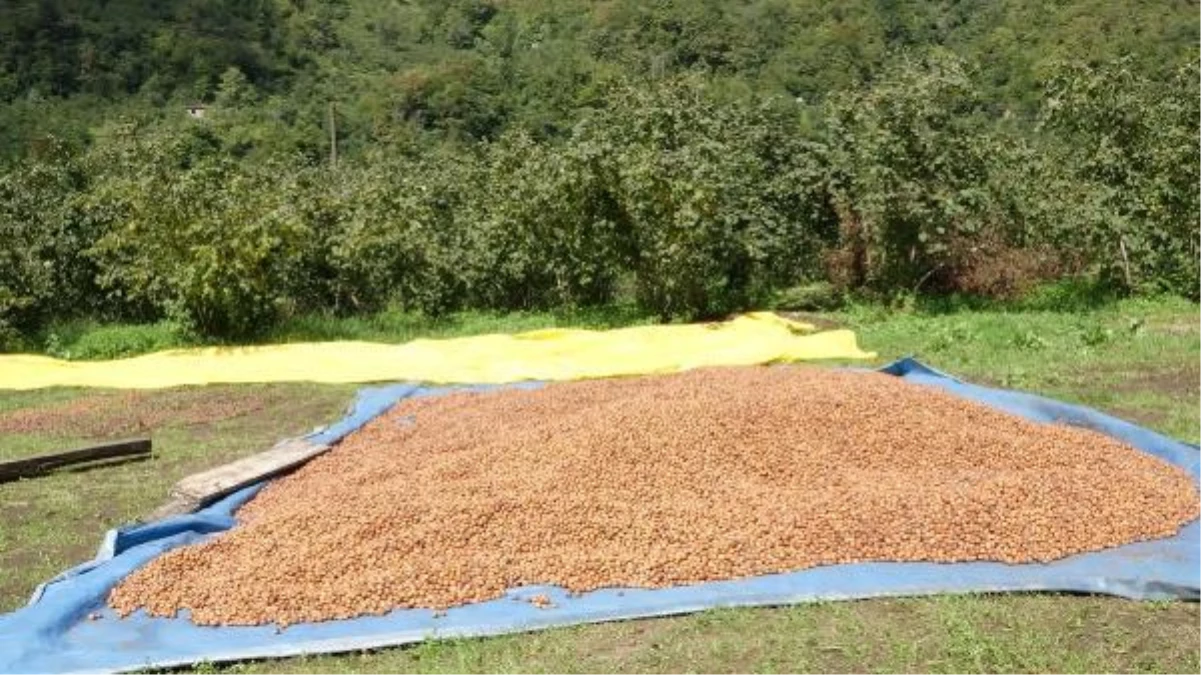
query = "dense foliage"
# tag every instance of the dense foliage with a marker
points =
(696, 157)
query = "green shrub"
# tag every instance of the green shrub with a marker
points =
(818, 296)
(547, 231)
(723, 201)
(909, 172)
(403, 239)
(43, 236)
(1128, 147)
(212, 245)
(710, 206)
(89, 340)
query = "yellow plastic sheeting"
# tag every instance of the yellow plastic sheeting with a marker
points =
(553, 354)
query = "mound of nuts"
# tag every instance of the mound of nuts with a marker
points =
(658, 481)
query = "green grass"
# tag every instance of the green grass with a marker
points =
(17, 446)
(1135, 358)
(1042, 633)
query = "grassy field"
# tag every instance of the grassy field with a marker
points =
(1135, 359)
(86, 340)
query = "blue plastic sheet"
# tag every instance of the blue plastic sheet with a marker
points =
(66, 626)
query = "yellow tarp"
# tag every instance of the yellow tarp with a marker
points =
(553, 354)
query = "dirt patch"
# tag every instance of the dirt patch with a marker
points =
(1165, 633)
(15, 560)
(660, 481)
(110, 415)
(13, 511)
(1175, 327)
(1146, 417)
(1182, 381)
(628, 640)
(24, 558)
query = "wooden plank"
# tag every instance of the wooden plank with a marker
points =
(201, 489)
(177, 506)
(35, 466)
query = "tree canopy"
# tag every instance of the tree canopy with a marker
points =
(470, 69)
(694, 157)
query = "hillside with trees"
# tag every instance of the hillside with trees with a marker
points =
(694, 157)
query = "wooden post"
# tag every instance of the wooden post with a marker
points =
(333, 137)
(35, 466)
(1125, 262)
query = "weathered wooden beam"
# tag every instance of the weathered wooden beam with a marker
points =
(202, 489)
(29, 467)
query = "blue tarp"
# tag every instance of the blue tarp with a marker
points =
(66, 626)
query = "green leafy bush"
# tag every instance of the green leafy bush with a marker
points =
(1128, 146)
(708, 206)
(723, 201)
(88, 340)
(909, 172)
(43, 237)
(211, 244)
(548, 231)
(401, 240)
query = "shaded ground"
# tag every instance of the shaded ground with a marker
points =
(1138, 360)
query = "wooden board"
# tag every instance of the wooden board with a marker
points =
(35, 466)
(201, 489)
